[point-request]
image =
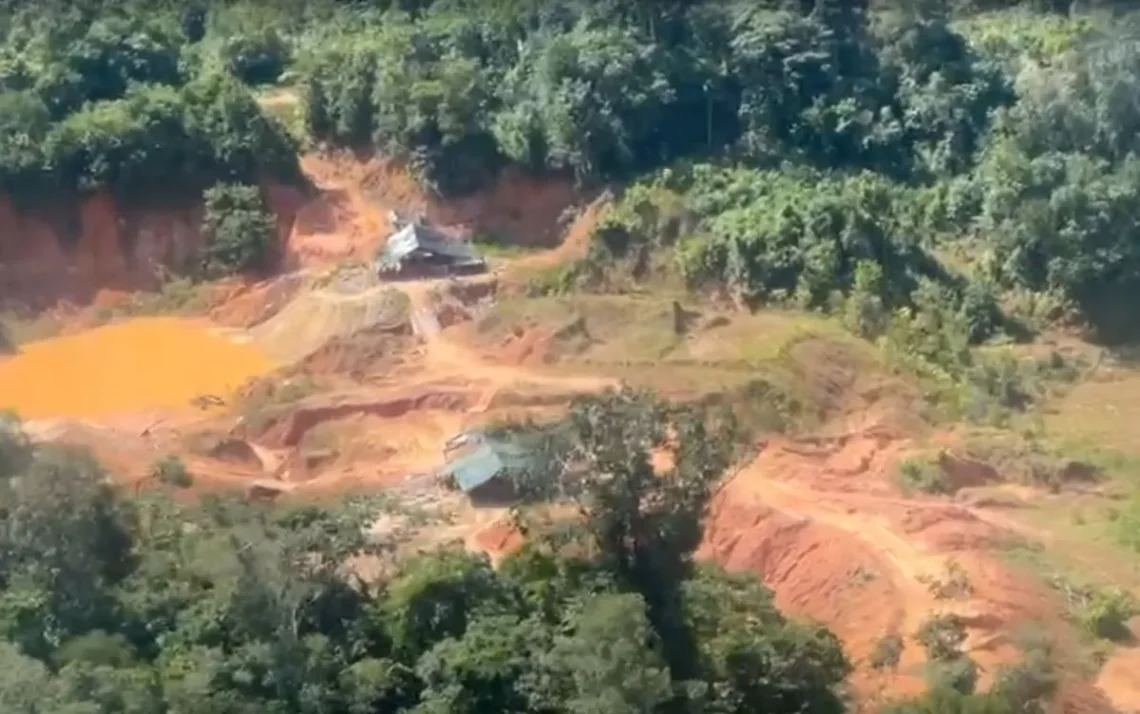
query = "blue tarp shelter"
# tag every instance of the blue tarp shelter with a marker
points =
(486, 467)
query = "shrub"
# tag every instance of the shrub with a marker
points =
(1030, 684)
(7, 343)
(864, 313)
(955, 584)
(942, 637)
(192, 20)
(170, 470)
(1101, 611)
(959, 674)
(15, 447)
(887, 652)
(257, 57)
(239, 229)
(923, 473)
(1106, 613)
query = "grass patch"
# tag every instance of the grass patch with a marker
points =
(763, 406)
(1098, 610)
(20, 327)
(1027, 458)
(764, 337)
(179, 295)
(494, 249)
(560, 279)
(1127, 524)
(1101, 412)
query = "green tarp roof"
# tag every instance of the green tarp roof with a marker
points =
(484, 462)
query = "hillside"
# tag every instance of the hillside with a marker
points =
(810, 319)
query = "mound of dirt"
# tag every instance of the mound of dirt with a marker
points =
(850, 387)
(1120, 679)
(817, 572)
(497, 540)
(965, 472)
(286, 430)
(855, 462)
(315, 318)
(339, 224)
(253, 304)
(234, 451)
(369, 351)
(538, 345)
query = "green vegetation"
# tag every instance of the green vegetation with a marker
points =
(171, 471)
(887, 652)
(7, 343)
(830, 155)
(222, 606)
(106, 103)
(239, 229)
(924, 474)
(1101, 611)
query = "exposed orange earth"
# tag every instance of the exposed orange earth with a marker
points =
(145, 363)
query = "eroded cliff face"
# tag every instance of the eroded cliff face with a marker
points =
(72, 250)
(76, 248)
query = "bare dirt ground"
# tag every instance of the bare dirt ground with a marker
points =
(372, 379)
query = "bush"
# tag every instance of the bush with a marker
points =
(959, 674)
(1101, 611)
(256, 58)
(887, 652)
(7, 342)
(947, 667)
(239, 229)
(863, 312)
(15, 448)
(1107, 612)
(1029, 685)
(170, 470)
(924, 474)
(942, 637)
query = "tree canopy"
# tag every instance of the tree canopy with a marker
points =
(887, 129)
(129, 605)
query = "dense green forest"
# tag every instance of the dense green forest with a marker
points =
(897, 132)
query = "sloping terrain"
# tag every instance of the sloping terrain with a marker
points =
(359, 384)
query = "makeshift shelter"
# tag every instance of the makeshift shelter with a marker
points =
(485, 469)
(419, 250)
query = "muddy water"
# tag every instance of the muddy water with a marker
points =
(141, 364)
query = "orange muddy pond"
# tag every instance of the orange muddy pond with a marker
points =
(139, 364)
